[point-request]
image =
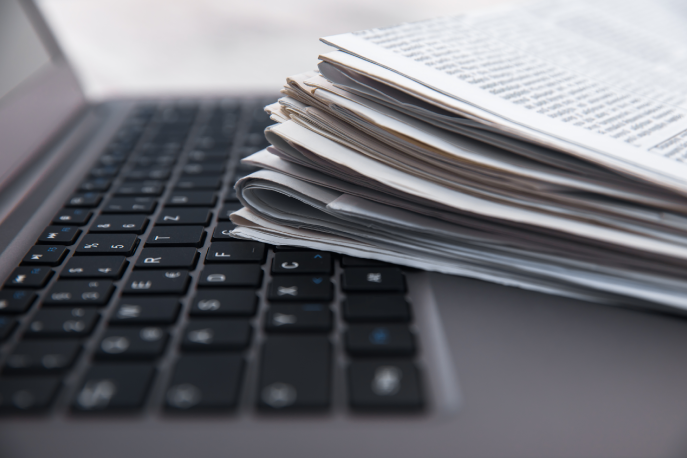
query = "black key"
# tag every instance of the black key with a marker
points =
(142, 205)
(206, 156)
(126, 343)
(85, 200)
(239, 251)
(295, 373)
(96, 184)
(198, 183)
(42, 356)
(298, 318)
(112, 159)
(221, 232)
(176, 236)
(231, 275)
(201, 382)
(146, 310)
(386, 308)
(95, 267)
(62, 322)
(300, 288)
(22, 394)
(350, 261)
(373, 279)
(166, 160)
(105, 171)
(228, 209)
(114, 386)
(163, 258)
(72, 216)
(204, 168)
(45, 255)
(231, 196)
(6, 327)
(379, 340)
(154, 188)
(133, 224)
(184, 217)
(148, 173)
(16, 301)
(29, 277)
(384, 385)
(217, 334)
(294, 262)
(157, 282)
(59, 235)
(191, 199)
(79, 292)
(229, 302)
(115, 244)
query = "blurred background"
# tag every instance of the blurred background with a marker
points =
(176, 47)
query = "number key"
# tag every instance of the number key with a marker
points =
(45, 255)
(72, 216)
(119, 244)
(59, 235)
(134, 224)
(29, 277)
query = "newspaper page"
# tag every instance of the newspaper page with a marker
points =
(603, 80)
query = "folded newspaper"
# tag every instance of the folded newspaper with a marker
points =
(541, 146)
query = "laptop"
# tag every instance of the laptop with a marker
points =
(133, 324)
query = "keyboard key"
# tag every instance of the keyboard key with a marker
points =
(96, 184)
(95, 267)
(379, 340)
(204, 168)
(295, 262)
(384, 385)
(104, 171)
(191, 199)
(217, 334)
(16, 301)
(45, 255)
(184, 217)
(295, 373)
(231, 196)
(154, 188)
(132, 343)
(42, 356)
(298, 318)
(21, 394)
(239, 251)
(176, 236)
(221, 232)
(373, 279)
(114, 386)
(148, 173)
(198, 183)
(228, 209)
(146, 310)
(85, 200)
(6, 327)
(59, 235)
(231, 275)
(300, 288)
(133, 224)
(157, 282)
(79, 292)
(166, 160)
(142, 205)
(62, 322)
(201, 382)
(376, 308)
(350, 261)
(163, 258)
(72, 216)
(225, 302)
(115, 244)
(206, 156)
(29, 277)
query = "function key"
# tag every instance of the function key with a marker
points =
(142, 205)
(227, 210)
(384, 385)
(115, 244)
(134, 224)
(221, 232)
(216, 334)
(155, 161)
(59, 235)
(148, 173)
(176, 236)
(225, 301)
(85, 200)
(376, 307)
(295, 262)
(104, 171)
(79, 292)
(373, 279)
(114, 386)
(206, 156)
(191, 199)
(42, 356)
(198, 183)
(62, 322)
(6, 327)
(146, 310)
(300, 288)
(94, 267)
(163, 258)
(204, 168)
(379, 340)
(299, 318)
(132, 343)
(16, 301)
(72, 216)
(45, 255)
(29, 277)
(157, 282)
(112, 159)
(96, 185)
(184, 217)
(231, 275)
(21, 394)
(239, 251)
(155, 188)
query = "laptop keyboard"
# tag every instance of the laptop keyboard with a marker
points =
(137, 283)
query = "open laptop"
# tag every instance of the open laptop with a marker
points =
(131, 324)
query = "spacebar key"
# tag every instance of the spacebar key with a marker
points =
(295, 373)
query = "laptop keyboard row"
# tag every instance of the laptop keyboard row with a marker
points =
(139, 268)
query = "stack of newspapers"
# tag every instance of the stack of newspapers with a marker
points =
(542, 147)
